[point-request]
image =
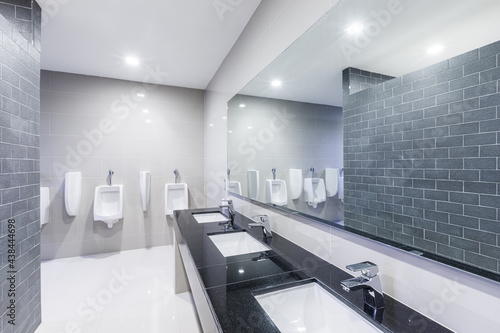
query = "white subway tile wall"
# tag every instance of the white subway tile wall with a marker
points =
(93, 125)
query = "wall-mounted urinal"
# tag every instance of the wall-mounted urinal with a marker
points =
(276, 192)
(145, 184)
(253, 184)
(44, 205)
(296, 183)
(72, 192)
(234, 187)
(331, 181)
(108, 204)
(176, 197)
(314, 191)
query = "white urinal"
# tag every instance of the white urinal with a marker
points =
(314, 191)
(176, 197)
(145, 184)
(296, 183)
(331, 181)
(234, 187)
(44, 205)
(276, 192)
(253, 184)
(108, 204)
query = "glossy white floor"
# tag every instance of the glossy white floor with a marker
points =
(130, 291)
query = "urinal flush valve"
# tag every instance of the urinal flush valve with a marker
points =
(110, 175)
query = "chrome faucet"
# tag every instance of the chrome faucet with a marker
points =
(264, 223)
(229, 205)
(369, 281)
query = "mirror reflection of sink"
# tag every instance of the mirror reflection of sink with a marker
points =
(236, 243)
(310, 308)
(210, 217)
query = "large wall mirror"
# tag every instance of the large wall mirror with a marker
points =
(285, 128)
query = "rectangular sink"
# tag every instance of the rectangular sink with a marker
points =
(310, 308)
(210, 217)
(236, 243)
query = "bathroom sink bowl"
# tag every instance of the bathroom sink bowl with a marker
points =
(237, 243)
(210, 217)
(310, 308)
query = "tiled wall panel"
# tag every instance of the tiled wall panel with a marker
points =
(422, 158)
(19, 166)
(93, 125)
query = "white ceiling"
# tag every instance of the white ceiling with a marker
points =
(311, 68)
(179, 42)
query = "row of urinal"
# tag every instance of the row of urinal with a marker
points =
(108, 199)
(315, 190)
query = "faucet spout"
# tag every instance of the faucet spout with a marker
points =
(264, 224)
(369, 282)
(229, 225)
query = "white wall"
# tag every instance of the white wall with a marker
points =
(93, 125)
(458, 300)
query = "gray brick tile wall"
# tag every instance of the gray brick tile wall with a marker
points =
(19, 161)
(434, 135)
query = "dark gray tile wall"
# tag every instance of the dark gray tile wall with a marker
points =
(25, 17)
(355, 80)
(19, 164)
(421, 156)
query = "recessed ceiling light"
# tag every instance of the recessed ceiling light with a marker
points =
(249, 127)
(230, 131)
(148, 121)
(142, 95)
(224, 118)
(276, 83)
(435, 49)
(242, 105)
(145, 111)
(133, 61)
(211, 125)
(355, 29)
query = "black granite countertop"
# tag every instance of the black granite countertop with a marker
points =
(230, 282)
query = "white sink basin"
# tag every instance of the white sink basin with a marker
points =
(210, 217)
(310, 308)
(236, 243)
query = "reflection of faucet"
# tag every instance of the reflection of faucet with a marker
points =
(110, 174)
(273, 170)
(264, 223)
(369, 281)
(262, 256)
(229, 224)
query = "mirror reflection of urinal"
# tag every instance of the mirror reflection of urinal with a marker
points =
(276, 192)
(234, 187)
(314, 191)
(108, 204)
